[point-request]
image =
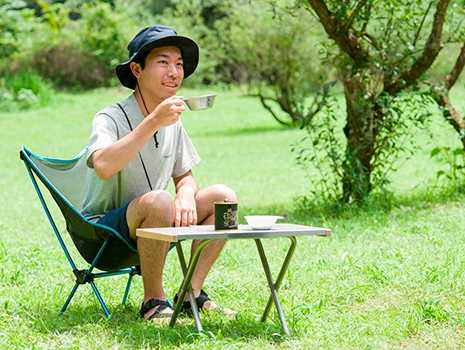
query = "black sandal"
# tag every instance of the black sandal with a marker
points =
(162, 305)
(186, 308)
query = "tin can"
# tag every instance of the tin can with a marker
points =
(226, 215)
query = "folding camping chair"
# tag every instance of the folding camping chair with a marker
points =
(101, 247)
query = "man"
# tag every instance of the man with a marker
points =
(135, 147)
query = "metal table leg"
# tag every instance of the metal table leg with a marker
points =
(274, 286)
(186, 285)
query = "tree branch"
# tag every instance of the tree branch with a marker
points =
(432, 48)
(422, 22)
(350, 21)
(441, 96)
(346, 41)
(452, 77)
(262, 100)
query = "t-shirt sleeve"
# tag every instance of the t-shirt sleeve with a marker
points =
(103, 133)
(186, 155)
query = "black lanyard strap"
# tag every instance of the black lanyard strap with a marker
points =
(140, 156)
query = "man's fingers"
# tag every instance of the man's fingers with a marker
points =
(177, 219)
(194, 218)
(185, 218)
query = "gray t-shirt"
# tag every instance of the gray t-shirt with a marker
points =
(174, 157)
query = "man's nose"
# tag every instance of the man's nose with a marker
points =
(173, 70)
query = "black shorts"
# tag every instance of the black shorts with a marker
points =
(116, 219)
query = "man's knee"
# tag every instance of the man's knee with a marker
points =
(222, 192)
(159, 198)
(162, 202)
(158, 206)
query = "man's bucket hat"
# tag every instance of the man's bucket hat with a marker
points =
(157, 36)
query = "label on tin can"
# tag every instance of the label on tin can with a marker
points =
(226, 216)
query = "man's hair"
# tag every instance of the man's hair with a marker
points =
(141, 59)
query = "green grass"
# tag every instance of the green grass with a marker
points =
(387, 279)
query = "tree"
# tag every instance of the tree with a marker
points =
(385, 48)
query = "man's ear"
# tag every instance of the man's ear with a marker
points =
(135, 69)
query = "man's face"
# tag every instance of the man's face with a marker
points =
(163, 72)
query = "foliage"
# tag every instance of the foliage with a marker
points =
(83, 52)
(78, 43)
(277, 57)
(17, 25)
(74, 43)
(323, 148)
(24, 90)
(454, 159)
(82, 41)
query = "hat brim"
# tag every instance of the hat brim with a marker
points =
(189, 51)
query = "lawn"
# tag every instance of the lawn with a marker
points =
(390, 277)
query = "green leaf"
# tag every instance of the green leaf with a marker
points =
(435, 151)
(458, 152)
(439, 173)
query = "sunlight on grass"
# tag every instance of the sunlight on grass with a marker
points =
(391, 276)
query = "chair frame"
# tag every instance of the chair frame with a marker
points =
(83, 276)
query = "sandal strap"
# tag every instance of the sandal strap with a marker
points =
(159, 314)
(151, 304)
(186, 305)
(201, 299)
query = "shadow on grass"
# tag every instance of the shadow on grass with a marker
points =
(127, 328)
(318, 212)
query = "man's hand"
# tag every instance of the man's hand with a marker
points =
(167, 112)
(185, 207)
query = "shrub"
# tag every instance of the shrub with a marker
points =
(79, 53)
(17, 25)
(70, 66)
(24, 90)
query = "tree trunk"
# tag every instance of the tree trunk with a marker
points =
(360, 139)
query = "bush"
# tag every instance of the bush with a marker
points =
(16, 27)
(70, 66)
(77, 44)
(80, 53)
(24, 90)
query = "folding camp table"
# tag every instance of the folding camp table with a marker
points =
(207, 233)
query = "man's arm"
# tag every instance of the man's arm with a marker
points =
(112, 159)
(184, 204)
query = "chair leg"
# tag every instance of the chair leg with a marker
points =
(126, 292)
(63, 309)
(94, 287)
(100, 299)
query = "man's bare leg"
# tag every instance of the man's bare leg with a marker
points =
(152, 209)
(205, 200)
